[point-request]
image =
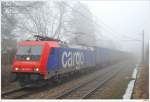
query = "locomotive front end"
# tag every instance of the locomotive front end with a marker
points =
(27, 58)
(27, 66)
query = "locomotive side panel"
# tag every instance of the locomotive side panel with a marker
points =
(53, 60)
(89, 58)
(69, 59)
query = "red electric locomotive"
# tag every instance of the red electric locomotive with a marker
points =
(30, 60)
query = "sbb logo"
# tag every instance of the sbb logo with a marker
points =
(71, 59)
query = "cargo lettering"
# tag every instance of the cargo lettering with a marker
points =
(71, 59)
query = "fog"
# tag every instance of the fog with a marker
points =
(85, 44)
(124, 22)
(113, 24)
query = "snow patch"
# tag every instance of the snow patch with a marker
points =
(134, 73)
(130, 87)
(129, 90)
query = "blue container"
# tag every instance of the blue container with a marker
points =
(70, 58)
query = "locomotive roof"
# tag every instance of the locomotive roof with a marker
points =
(52, 43)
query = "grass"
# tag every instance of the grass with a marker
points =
(119, 89)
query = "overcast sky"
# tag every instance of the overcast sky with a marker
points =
(126, 18)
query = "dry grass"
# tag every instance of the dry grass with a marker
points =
(142, 84)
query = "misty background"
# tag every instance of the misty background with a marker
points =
(122, 25)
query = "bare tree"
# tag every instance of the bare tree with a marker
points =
(8, 24)
(54, 19)
(82, 25)
(8, 21)
(29, 21)
(45, 19)
(61, 9)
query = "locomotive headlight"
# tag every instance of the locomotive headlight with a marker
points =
(16, 68)
(36, 69)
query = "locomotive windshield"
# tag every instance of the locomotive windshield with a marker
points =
(29, 52)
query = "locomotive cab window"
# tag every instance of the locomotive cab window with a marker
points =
(29, 52)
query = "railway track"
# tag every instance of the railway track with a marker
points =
(15, 93)
(23, 92)
(85, 90)
(78, 91)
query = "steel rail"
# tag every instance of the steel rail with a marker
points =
(98, 86)
(67, 93)
(75, 88)
(7, 93)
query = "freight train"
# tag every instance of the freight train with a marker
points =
(44, 58)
